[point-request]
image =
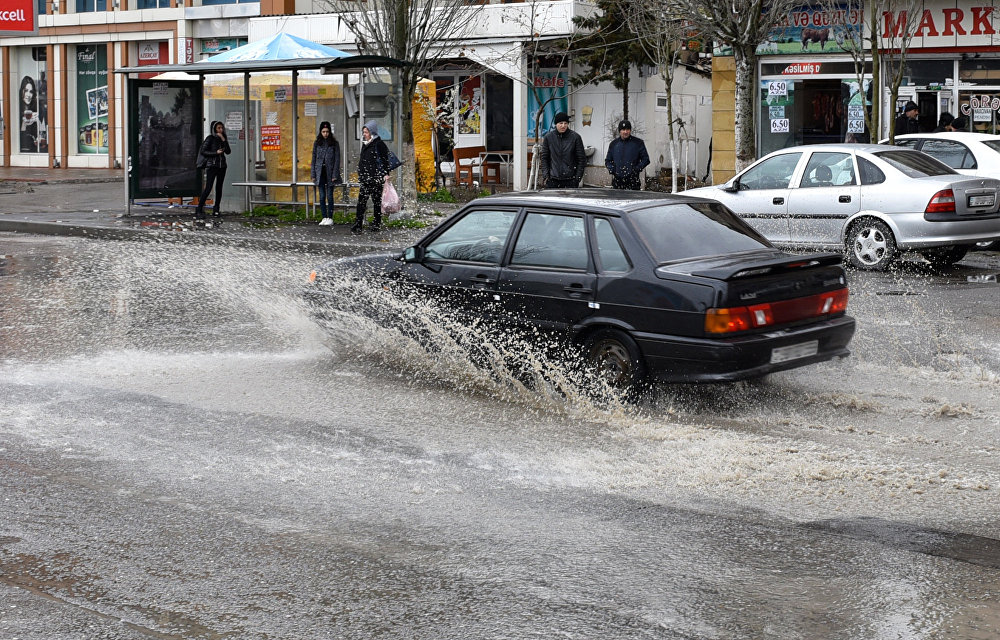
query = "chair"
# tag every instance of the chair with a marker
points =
(822, 176)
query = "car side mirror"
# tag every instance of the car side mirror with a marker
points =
(732, 186)
(413, 254)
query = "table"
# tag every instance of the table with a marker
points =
(503, 156)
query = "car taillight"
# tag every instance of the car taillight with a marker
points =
(942, 202)
(735, 319)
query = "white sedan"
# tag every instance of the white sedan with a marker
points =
(972, 154)
(869, 201)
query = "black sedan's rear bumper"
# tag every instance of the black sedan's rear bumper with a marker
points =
(679, 359)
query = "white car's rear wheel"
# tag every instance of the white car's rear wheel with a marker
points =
(870, 245)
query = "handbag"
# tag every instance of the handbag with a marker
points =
(394, 161)
(390, 199)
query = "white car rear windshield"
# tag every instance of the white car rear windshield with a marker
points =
(692, 230)
(914, 164)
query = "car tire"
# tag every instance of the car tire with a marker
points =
(944, 256)
(870, 245)
(615, 357)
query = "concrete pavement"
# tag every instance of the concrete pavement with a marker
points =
(92, 203)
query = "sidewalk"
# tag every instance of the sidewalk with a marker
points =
(92, 204)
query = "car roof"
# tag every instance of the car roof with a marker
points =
(964, 136)
(603, 200)
(835, 146)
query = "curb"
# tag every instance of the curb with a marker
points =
(334, 248)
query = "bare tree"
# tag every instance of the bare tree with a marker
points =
(415, 32)
(660, 30)
(540, 52)
(890, 41)
(743, 25)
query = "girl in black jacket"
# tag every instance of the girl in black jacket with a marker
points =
(326, 169)
(214, 150)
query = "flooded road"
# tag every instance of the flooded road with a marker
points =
(185, 453)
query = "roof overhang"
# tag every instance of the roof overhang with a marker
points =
(346, 64)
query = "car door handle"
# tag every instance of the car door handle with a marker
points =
(845, 198)
(482, 279)
(778, 201)
(577, 288)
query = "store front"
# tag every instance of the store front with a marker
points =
(811, 102)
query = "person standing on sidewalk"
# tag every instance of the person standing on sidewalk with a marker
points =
(562, 157)
(213, 154)
(373, 171)
(326, 170)
(626, 158)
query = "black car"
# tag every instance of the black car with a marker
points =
(644, 284)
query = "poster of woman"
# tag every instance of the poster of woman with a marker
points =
(28, 103)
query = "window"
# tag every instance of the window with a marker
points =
(478, 237)
(548, 240)
(87, 6)
(914, 164)
(828, 170)
(954, 154)
(870, 174)
(609, 249)
(682, 231)
(773, 173)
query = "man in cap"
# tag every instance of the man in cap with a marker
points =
(562, 158)
(906, 122)
(626, 158)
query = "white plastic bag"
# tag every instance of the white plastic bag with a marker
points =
(390, 199)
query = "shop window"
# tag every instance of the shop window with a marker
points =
(812, 111)
(91, 99)
(208, 2)
(980, 109)
(153, 4)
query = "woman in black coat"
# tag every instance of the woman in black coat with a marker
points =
(326, 169)
(373, 170)
(213, 152)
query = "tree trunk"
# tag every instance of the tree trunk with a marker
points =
(746, 92)
(624, 77)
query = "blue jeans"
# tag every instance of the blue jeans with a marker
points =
(325, 189)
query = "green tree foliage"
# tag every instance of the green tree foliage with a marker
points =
(609, 48)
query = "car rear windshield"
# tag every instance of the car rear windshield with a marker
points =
(914, 164)
(692, 230)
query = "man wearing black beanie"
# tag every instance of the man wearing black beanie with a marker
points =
(562, 158)
(626, 158)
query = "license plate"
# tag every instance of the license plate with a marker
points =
(794, 351)
(982, 201)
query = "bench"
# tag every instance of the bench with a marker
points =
(469, 161)
(309, 203)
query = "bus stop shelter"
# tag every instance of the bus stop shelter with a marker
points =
(261, 91)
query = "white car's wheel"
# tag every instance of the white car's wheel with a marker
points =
(870, 245)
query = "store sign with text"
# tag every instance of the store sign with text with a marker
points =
(18, 17)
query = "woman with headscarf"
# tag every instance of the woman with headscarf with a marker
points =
(325, 169)
(213, 154)
(373, 171)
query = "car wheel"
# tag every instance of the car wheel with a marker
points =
(944, 256)
(870, 245)
(615, 358)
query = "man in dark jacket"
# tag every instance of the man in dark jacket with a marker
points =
(907, 122)
(562, 158)
(626, 158)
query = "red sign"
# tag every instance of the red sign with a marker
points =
(270, 138)
(18, 17)
(802, 69)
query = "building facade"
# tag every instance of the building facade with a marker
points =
(810, 90)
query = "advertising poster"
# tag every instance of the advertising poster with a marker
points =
(548, 95)
(92, 99)
(167, 118)
(31, 129)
